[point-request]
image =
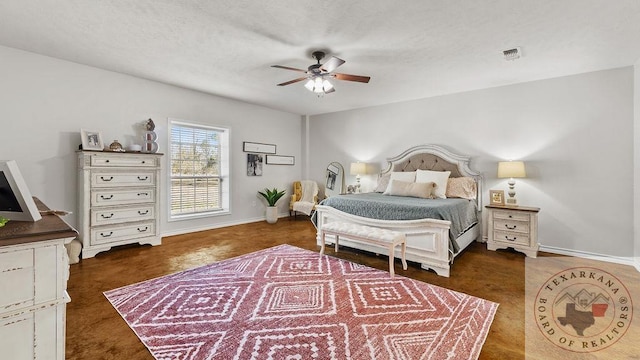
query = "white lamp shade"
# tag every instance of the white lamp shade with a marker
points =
(358, 168)
(309, 85)
(511, 169)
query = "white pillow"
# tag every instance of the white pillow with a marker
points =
(383, 183)
(440, 178)
(406, 176)
(462, 187)
(403, 188)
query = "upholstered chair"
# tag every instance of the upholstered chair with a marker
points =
(297, 204)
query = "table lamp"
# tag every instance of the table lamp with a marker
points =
(511, 170)
(358, 168)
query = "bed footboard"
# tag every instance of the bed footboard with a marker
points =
(427, 239)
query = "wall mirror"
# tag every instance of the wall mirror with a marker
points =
(334, 180)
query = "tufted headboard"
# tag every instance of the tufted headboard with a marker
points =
(435, 158)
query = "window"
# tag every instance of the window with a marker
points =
(199, 170)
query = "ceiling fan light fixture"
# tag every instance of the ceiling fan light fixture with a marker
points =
(326, 85)
(317, 74)
(319, 85)
(310, 85)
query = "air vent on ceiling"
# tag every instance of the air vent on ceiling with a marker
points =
(512, 54)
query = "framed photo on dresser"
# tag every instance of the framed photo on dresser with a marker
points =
(91, 140)
(496, 197)
(16, 202)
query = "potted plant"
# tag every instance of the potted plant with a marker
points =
(272, 197)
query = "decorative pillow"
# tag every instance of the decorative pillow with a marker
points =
(383, 182)
(406, 176)
(462, 187)
(438, 177)
(403, 188)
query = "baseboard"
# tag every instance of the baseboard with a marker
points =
(638, 263)
(592, 256)
(218, 225)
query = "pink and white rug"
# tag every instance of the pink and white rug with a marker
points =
(289, 303)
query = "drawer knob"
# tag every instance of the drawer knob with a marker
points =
(143, 178)
(143, 194)
(143, 161)
(510, 227)
(106, 235)
(106, 197)
(105, 179)
(143, 212)
(510, 239)
(106, 216)
(106, 160)
(143, 230)
(510, 216)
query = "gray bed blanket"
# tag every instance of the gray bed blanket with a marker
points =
(462, 213)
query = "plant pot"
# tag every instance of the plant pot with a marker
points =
(272, 214)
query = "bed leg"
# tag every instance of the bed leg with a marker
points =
(337, 236)
(391, 260)
(404, 258)
(322, 244)
(439, 270)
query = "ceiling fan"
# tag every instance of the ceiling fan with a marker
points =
(318, 74)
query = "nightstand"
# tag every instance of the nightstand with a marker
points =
(513, 227)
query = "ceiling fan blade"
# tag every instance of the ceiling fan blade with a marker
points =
(358, 78)
(292, 81)
(332, 64)
(288, 68)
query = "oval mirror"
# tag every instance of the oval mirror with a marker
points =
(334, 180)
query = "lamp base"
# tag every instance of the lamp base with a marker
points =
(512, 202)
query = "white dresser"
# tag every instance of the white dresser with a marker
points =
(513, 227)
(119, 202)
(34, 269)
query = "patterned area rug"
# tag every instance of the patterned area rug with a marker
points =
(289, 303)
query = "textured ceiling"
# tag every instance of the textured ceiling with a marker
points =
(411, 49)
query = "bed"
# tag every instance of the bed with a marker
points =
(435, 235)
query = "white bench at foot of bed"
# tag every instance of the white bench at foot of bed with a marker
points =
(377, 236)
(427, 240)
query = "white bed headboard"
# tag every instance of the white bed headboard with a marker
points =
(436, 158)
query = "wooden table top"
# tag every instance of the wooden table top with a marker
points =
(48, 228)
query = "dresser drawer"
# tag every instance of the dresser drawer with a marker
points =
(117, 160)
(521, 227)
(122, 197)
(117, 179)
(511, 237)
(31, 274)
(110, 234)
(34, 334)
(510, 215)
(102, 216)
(16, 279)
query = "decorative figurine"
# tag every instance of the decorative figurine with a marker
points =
(116, 146)
(150, 145)
(150, 125)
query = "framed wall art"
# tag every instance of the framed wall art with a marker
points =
(496, 197)
(254, 164)
(281, 160)
(253, 147)
(91, 140)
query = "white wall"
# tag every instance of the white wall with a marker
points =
(575, 134)
(45, 102)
